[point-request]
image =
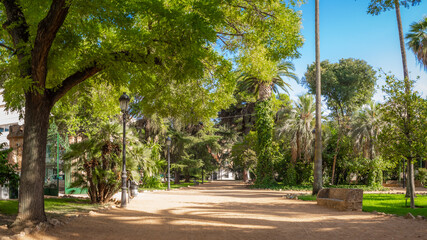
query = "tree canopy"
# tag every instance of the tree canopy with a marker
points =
(346, 85)
(378, 6)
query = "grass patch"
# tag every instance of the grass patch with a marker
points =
(165, 186)
(394, 204)
(9, 207)
(52, 205)
(307, 197)
(387, 203)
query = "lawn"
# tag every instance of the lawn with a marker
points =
(52, 205)
(394, 204)
(387, 203)
(164, 186)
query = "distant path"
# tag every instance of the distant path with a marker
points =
(227, 210)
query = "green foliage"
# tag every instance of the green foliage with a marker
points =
(264, 126)
(366, 126)
(290, 178)
(97, 163)
(404, 133)
(422, 176)
(358, 186)
(296, 127)
(266, 183)
(368, 171)
(346, 85)
(378, 6)
(82, 109)
(417, 41)
(252, 84)
(151, 182)
(8, 175)
(243, 153)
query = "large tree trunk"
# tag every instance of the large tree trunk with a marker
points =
(177, 177)
(31, 197)
(318, 179)
(245, 175)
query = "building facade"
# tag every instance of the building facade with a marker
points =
(7, 119)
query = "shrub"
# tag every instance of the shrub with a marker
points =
(290, 178)
(422, 175)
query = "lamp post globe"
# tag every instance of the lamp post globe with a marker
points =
(124, 103)
(168, 143)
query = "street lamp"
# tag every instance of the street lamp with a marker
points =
(168, 143)
(124, 102)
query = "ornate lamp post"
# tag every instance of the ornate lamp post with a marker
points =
(168, 143)
(124, 102)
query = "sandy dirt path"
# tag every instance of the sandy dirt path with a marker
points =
(227, 210)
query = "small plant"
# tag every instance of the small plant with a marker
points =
(152, 182)
(422, 176)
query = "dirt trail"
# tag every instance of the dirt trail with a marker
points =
(227, 210)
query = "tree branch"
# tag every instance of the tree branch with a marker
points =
(16, 25)
(231, 34)
(7, 47)
(72, 81)
(94, 68)
(46, 33)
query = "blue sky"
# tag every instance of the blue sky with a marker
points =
(346, 30)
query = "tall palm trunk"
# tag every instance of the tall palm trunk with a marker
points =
(264, 93)
(410, 190)
(264, 127)
(318, 179)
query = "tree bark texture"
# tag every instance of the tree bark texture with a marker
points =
(318, 176)
(401, 41)
(31, 195)
(410, 183)
(264, 91)
(177, 177)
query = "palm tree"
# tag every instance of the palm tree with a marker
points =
(299, 126)
(417, 41)
(365, 129)
(318, 179)
(262, 89)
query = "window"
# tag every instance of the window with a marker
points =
(1, 129)
(6, 129)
